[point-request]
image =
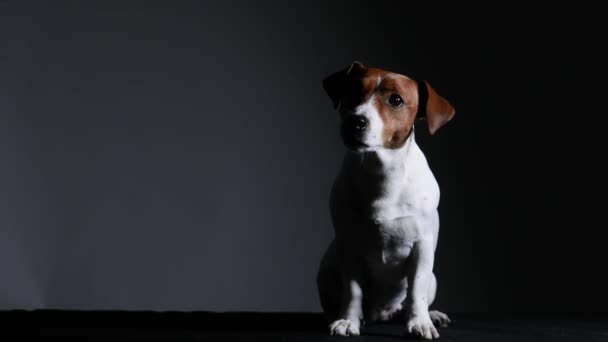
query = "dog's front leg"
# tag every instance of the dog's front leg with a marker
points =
(349, 319)
(419, 275)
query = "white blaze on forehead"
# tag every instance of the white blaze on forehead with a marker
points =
(369, 110)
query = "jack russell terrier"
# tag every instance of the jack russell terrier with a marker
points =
(383, 205)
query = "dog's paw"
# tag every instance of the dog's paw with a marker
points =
(420, 326)
(439, 318)
(344, 327)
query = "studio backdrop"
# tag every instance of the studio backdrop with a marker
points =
(178, 155)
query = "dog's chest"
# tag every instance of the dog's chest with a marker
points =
(398, 216)
(382, 204)
(395, 240)
(397, 201)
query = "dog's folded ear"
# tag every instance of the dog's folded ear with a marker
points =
(335, 83)
(435, 109)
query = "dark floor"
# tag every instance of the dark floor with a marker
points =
(204, 326)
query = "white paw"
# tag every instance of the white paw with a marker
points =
(439, 318)
(344, 327)
(421, 326)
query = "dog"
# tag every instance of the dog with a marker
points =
(383, 205)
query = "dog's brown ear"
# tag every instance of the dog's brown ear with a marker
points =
(437, 110)
(334, 84)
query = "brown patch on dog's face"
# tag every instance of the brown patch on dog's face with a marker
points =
(396, 98)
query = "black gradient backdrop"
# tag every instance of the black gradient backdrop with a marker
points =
(178, 155)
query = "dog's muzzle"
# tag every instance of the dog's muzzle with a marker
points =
(353, 130)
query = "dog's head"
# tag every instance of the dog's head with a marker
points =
(378, 108)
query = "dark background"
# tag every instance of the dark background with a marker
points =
(178, 155)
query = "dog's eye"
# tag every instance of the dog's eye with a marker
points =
(395, 100)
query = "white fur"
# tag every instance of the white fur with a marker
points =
(384, 209)
(373, 137)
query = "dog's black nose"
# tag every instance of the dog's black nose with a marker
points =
(357, 122)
